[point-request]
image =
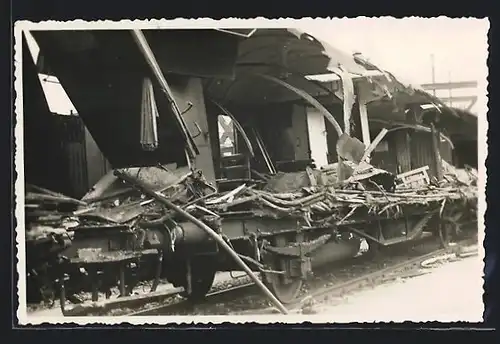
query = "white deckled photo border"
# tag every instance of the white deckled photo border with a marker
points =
(20, 26)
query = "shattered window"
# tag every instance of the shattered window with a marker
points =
(226, 136)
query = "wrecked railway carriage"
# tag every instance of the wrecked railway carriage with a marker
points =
(330, 150)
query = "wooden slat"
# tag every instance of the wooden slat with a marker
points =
(449, 85)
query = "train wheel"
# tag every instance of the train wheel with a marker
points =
(285, 290)
(200, 286)
(202, 278)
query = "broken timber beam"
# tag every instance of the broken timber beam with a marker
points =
(365, 127)
(374, 144)
(437, 152)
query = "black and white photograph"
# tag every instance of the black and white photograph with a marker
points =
(250, 170)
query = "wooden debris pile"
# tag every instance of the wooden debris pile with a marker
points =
(48, 219)
(325, 199)
(48, 223)
(317, 195)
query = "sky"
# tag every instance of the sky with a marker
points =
(404, 48)
(400, 46)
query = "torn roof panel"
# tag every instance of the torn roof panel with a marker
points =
(280, 52)
(288, 54)
(294, 49)
(337, 57)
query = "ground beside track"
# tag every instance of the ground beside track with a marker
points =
(448, 293)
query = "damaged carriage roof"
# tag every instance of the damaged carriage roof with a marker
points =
(286, 53)
(298, 58)
(102, 73)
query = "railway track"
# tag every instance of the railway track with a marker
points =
(184, 306)
(403, 269)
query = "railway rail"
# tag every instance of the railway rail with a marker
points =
(400, 269)
(219, 296)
